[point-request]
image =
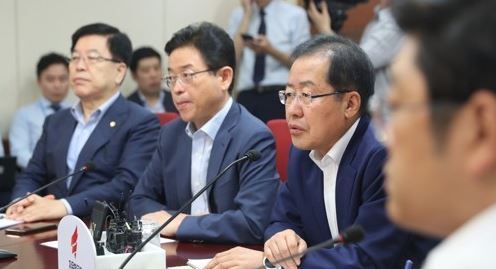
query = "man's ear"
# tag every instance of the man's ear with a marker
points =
(121, 73)
(481, 109)
(226, 76)
(352, 101)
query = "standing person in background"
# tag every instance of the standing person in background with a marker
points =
(52, 72)
(265, 32)
(146, 69)
(381, 40)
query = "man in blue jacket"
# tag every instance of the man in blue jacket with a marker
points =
(212, 132)
(103, 128)
(335, 177)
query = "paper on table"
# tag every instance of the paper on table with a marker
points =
(51, 244)
(5, 222)
(55, 245)
(198, 263)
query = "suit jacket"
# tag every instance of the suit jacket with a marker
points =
(240, 202)
(167, 103)
(360, 200)
(119, 151)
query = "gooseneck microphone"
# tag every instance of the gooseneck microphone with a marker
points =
(251, 155)
(352, 234)
(85, 168)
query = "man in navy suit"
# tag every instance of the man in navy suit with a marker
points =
(335, 174)
(103, 127)
(212, 132)
(146, 69)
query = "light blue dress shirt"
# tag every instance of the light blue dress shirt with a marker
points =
(26, 129)
(287, 27)
(81, 134)
(158, 107)
(203, 140)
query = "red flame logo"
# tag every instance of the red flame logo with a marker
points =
(74, 242)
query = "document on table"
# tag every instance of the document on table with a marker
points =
(5, 222)
(198, 263)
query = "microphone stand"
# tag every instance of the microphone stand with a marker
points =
(180, 210)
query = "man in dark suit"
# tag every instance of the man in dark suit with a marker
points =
(335, 175)
(103, 127)
(212, 132)
(146, 68)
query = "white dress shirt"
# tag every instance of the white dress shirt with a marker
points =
(202, 142)
(81, 134)
(381, 40)
(26, 128)
(329, 164)
(471, 246)
(287, 27)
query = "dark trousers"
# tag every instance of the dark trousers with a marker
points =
(263, 102)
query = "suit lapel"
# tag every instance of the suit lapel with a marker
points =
(110, 122)
(64, 132)
(346, 177)
(221, 142)
(182, 178)
(314, 180)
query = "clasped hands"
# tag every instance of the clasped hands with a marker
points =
(36, 208)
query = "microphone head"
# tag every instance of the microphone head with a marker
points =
(353, 234)
(253, 155)
(88, 167)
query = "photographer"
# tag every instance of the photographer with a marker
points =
(381, 41)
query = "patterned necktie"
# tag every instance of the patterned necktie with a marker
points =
(55, 106)
(259, 68)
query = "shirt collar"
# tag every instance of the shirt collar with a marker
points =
(382, 12)
(267, 8)
(335, 154)
(161, 96)
(211, 128)
(77, 110)
(44, 102)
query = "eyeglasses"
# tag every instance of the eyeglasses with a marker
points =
(287, 97)
(185, 78)
(91, 58)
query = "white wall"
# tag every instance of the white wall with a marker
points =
(30, 28)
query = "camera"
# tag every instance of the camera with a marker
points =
(337, 10)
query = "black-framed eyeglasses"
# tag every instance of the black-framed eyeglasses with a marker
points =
(185, 78)
(287, 97)
(90, 59)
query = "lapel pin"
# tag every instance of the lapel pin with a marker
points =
(112, 124)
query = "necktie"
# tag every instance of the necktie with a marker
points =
(55, 106)
(259, 68)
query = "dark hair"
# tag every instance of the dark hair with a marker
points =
(118, 43)
(350, 68)
(50, 59)
(142, 53)
(214, 44)
(457, 45)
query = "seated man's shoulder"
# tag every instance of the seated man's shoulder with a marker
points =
(249, 124)
(138, 112)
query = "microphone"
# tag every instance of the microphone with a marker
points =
(85, 168)
(352, 234)
(251, 155)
